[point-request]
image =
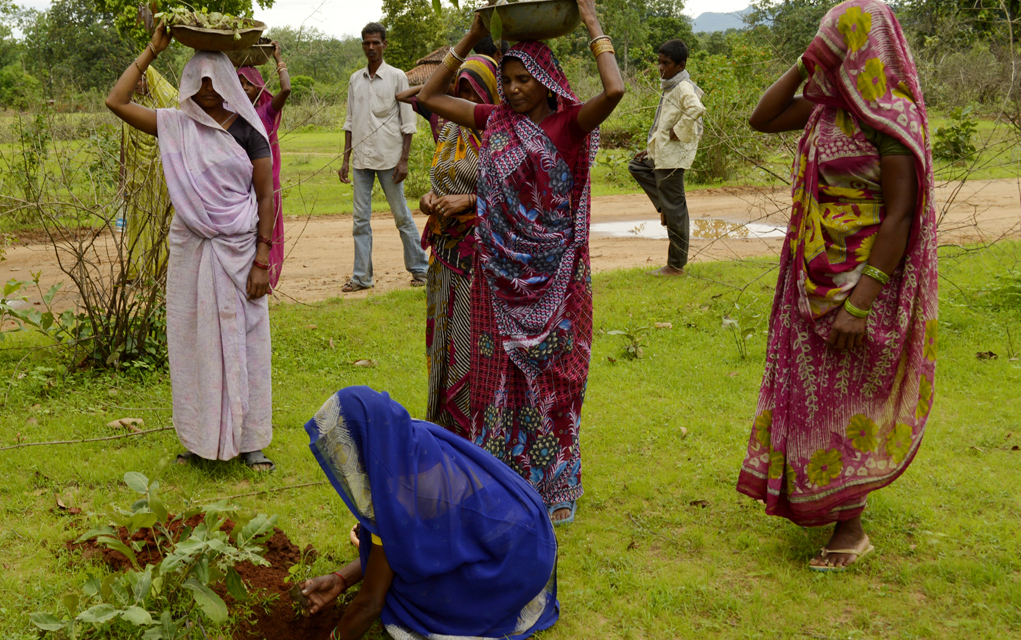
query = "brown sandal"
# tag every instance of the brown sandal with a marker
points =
(353, 286)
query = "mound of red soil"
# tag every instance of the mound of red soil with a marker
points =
(281, 619)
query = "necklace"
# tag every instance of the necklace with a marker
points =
(229, 116)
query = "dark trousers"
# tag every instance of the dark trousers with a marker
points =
(665, 187)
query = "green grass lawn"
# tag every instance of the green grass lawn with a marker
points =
(642, 561)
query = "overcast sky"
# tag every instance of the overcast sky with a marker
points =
(347, 17)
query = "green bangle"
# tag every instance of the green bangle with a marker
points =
(855, 311)
(875, 274)
(802, 69)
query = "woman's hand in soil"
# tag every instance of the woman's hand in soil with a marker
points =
(452, 205)
(322, 591)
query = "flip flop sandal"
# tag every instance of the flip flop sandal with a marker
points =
(185, 458)
(572, 505)
(353, 286)
(863, 549)
(253, 458)
(419, 281)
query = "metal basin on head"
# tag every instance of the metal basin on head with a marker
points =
(203, 39)
(535, 19)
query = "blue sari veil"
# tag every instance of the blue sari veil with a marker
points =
(470, 542)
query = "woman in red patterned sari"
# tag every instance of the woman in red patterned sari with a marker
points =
(532, 297)
(851, 356)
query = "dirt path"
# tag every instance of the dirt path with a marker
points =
(727, 223)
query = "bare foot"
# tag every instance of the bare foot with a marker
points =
(846, 535)
(561, 514)
(667, 271)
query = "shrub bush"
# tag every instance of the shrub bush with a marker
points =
(953, 141)
(18, 90)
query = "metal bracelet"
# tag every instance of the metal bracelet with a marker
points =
(456, 57)
(602, 37)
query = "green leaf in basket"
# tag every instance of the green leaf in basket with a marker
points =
(496, 28)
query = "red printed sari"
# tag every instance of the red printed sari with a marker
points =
(832, 426)
(532, 294)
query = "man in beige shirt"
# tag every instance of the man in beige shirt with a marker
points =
(673, 142)
(377, 132)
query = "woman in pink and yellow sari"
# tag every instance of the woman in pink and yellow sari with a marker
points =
(849, 377)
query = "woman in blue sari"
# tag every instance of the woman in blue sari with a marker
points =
(453, 543)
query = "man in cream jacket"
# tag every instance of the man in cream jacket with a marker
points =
(673, 141)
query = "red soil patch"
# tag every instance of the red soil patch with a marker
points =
(280, 620)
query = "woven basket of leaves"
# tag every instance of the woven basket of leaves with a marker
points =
(213, 31)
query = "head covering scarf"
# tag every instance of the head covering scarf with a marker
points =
(220, 409)
(534, 213)
(455, 171)
(832, 426)
(472, 549)
(271, 121)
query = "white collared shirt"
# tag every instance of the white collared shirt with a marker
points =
(681, 112)
(376, 120)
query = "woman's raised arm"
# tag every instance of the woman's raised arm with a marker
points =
(599, 108)
(779, 109)
(434, 93)
(119, 100)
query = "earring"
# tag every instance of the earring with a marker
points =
(549, 93)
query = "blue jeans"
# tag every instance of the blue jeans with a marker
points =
(415, 259)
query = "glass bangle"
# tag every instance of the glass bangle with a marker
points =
(875, 274)
(855, 311)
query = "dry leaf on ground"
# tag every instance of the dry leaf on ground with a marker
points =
(664, 325)
(364, 363)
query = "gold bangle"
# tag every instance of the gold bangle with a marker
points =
(855, 311)
(153, 49)
(450, 62)
(601, 47)
(875, 274)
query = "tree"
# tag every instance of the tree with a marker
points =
(413, 30)
(311, 52)
(126, 13)
(666, 22)
(72, 45)
(788, 26)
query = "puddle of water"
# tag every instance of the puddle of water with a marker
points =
(701, 229)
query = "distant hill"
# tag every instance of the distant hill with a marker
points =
(709, 21)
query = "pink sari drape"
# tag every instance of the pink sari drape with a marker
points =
(218, 339)
(832, 426)
(271, 121)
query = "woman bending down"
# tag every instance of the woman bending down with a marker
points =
(452, 543)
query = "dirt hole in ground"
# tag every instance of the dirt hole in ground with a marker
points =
(280, 619)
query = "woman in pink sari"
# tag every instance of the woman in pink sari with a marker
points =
(217, 164)
(531, 307)
(270, 108)
(851, 355)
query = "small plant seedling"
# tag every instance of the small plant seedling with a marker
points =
(168, 600)
(633, 338)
